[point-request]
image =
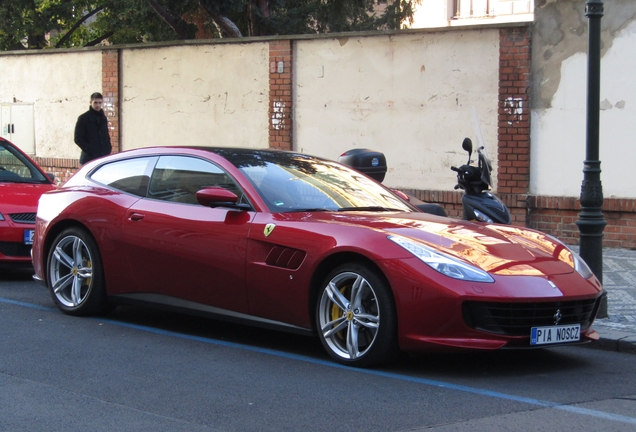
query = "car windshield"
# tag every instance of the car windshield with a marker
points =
(296, 182)
(15, 168)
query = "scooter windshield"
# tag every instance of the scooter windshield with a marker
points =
(485, 166)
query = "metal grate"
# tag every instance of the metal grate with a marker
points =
(516, 319)
(25, 218)
(14, 249)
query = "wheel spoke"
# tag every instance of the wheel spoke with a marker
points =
(368, 321)
(334, 327)
(352, 341)
(85, 272)
(62, 283)
(77, 251)
(76, 292)
(63, 258)
(357, 291)
(336, 296)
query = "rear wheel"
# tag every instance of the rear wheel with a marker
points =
(75, 275)
(356, 316)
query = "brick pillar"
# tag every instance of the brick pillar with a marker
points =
(280, 95)
(110, 91)
(513, 175)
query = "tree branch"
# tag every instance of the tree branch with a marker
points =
(178, 25)
(70, 31)
(99, 39)
(226, 25)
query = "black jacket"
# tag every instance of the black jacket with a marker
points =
(91, 135)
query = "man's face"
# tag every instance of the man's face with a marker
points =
(96, 104)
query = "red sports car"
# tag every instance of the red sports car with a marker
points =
(303, 244)
(21, 184)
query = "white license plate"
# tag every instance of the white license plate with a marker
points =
(555, 334)
(28, 236)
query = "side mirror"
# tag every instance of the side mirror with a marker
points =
(402, 195)
(51, 176)
(219, 197)
(467, 145)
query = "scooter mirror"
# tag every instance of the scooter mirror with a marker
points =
(467, 145)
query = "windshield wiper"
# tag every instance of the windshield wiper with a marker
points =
(346, 209)
(371, 208)
(314, 209)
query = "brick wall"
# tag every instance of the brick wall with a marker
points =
(280, 95)
(110, 91)
(513, 176)
(558, 216)
(63, 169)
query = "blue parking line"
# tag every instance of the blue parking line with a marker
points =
(329, 363)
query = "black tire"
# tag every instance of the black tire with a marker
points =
(356, 318)
(75, 275)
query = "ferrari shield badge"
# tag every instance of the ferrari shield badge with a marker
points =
(268, 229)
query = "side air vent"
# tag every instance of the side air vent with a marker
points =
(285, 257)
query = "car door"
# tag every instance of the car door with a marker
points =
(179, 249)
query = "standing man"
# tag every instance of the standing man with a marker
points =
(91, 131)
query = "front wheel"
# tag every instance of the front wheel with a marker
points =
(75, 274)
(356, 316)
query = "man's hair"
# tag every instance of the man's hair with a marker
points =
(97, 95)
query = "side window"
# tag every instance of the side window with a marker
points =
(179, 178)
(130, 175)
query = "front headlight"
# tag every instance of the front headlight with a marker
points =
(580, 266)
(444, 264)
(482, 217)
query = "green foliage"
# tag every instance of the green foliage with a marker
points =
(38, 24)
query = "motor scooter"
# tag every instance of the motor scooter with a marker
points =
(478, 203)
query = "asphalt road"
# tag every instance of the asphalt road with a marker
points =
(141, 370)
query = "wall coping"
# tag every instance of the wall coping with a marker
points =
(263, 39)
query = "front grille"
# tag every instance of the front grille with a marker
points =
(25, 218)
(516, 319)
(14, 249)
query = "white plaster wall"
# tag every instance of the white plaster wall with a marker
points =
(409, 96)
(215, 95)
(59, 86)
(559, 132)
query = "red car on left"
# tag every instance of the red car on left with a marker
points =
(22, 182)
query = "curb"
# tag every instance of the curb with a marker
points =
(614, 340)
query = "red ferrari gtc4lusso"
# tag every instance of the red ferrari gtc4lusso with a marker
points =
(22, 182)
(303, 244)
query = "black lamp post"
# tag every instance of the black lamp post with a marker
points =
(591, 222)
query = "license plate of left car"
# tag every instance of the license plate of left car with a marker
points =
(28, 236)
(555, 334)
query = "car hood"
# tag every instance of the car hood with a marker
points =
(498, 249)
(21, 197)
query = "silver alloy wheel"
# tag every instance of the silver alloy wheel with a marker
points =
(70, 271)
(349, 315)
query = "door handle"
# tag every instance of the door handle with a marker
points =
(135, 217)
